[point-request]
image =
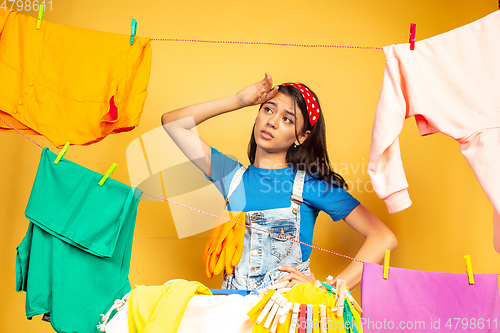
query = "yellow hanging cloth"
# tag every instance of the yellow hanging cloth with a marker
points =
(225, 244)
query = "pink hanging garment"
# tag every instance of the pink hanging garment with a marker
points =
(419, 301)
(450, 84)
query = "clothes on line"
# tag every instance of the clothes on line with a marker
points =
(449, 83)
(70, 84)
(412, 300)
(75, 258)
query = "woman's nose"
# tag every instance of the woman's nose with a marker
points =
(272, 122)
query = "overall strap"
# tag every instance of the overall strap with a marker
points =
(235, 182)
(298, 185)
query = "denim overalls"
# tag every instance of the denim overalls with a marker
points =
(263, 252)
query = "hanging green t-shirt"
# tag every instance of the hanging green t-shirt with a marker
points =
(75, 258)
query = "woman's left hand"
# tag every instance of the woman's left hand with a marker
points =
(295, 276)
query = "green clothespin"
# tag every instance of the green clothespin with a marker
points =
(62, 153)
(108, 174)
(133, 31)
(41, 14)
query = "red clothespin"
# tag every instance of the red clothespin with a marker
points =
(302, 318)
(413, 28)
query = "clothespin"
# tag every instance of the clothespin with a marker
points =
(413, 28)
(386, 264)
(309, 318)
(62, 153)
(329, 280)
(273, 311)
(133, 31)
(468, 268)
(260, 304)
(284, 312)
(341, 289)
(315, 319)
(302, 318)
(41, 14)
(353, 302)
(283, 303)
(108, 174)
(267, 308)
(323, 324)
(283, 290)
(330, 319)
(295, 317)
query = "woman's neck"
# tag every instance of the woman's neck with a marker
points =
(266, 160)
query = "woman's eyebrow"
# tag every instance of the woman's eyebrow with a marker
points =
(276, 105)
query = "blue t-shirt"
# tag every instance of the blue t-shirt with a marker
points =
(262, 189)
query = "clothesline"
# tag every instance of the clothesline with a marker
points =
(265, 43)
(210, 214)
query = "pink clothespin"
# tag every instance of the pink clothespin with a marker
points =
(413, 28)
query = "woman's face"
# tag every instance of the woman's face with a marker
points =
(275, 124)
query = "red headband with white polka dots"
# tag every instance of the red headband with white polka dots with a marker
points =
(311, 102)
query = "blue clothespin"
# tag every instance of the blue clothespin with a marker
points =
(41, 14)
(62, 153)
(108, 174)
(133, 31)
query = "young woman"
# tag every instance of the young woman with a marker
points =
(289, 180)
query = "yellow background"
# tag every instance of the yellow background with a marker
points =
(450, 215)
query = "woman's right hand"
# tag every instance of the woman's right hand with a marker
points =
(257, 93)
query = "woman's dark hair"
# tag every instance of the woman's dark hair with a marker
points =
(311, 156)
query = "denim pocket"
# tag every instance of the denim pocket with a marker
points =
(281, 247)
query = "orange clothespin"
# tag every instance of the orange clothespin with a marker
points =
(413, 28)
(468, 268)
(386, 264)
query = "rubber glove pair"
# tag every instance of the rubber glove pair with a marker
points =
(225, 244)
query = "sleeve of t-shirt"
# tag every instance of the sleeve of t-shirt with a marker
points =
(337, 202)
(222, 168)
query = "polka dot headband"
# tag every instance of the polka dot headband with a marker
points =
(311, 102)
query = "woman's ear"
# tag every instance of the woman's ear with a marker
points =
(302, 138)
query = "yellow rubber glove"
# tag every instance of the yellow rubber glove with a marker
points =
(225, 244)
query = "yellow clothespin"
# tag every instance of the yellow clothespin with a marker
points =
(468, 268)
(41, 14)
(386, 263)
(260, 304)
(315, 317)
(108, 174)
(133, 31)
(62, 153)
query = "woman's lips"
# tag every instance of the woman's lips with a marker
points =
(266, 135)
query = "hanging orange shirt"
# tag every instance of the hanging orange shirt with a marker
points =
(70, 84)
